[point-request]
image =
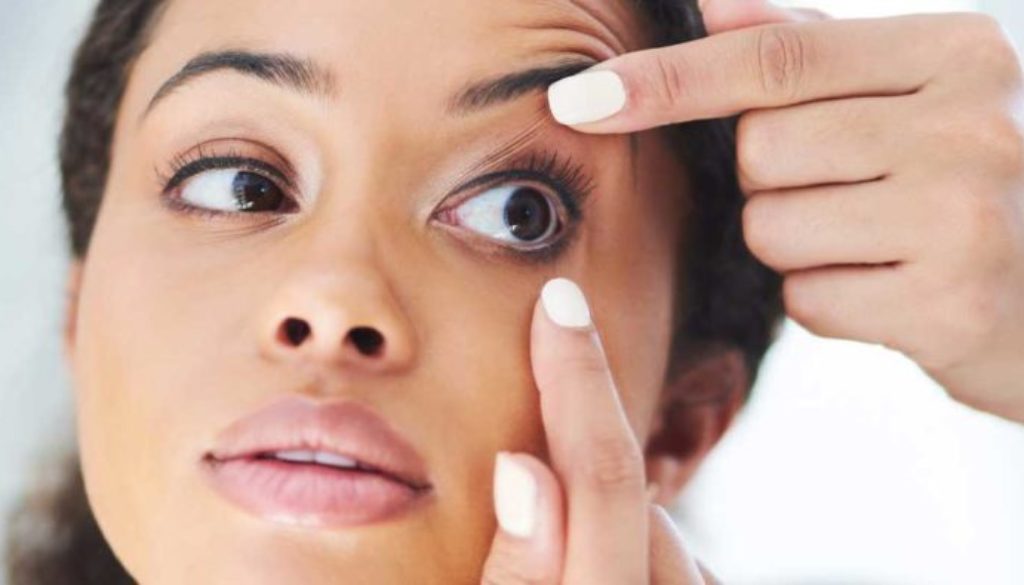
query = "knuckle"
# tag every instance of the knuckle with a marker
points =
(669, 81)
(987, 137)
(662, 87)
(982, 39)
(783, 54)
(979, 27)
(1002, 141)
(962, 28)
(613, 464)
(585, 362)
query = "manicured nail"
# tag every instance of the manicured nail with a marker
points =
(515, 497)
(587, 97)
(565, 304)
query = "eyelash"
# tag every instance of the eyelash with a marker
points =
(568, 179)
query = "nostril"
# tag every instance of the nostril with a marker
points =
(295, 331)
(367, 340)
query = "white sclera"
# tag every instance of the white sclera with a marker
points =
(212, 190)
(485, 214)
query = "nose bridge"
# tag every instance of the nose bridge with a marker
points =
(336, 305)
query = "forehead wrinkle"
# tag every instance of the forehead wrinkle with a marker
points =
(585, 17)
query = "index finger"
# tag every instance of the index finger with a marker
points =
(760, 67)
(592, 445)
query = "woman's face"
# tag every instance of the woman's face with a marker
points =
(348, 195)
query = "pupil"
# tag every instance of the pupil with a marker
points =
(528, 214)
(256, 192)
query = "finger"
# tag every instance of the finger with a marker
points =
(671, 563)
(859, 303)
(761, 67)
(709, 577)
(593, 448)
(834, 141)
(868, 223)
(724, 15)
(529, 544)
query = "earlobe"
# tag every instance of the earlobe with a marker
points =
(71, 295)
(698, 405)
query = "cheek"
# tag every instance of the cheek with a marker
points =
(165, 358)
(111, 378)
(162, 362)
(630, 269)
(634, 314)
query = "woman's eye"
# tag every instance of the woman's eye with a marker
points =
(515, 214)
(232, 191)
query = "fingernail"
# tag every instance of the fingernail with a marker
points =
(515, 497)
(587, 97)
(565, 304)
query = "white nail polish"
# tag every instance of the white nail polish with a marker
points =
(565, 304)
(515, 497)
(587, 97)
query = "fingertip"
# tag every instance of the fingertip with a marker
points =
(515, 496)
(565, 304)
(590, 96)
(528, 546)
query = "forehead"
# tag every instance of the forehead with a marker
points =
(360, 37)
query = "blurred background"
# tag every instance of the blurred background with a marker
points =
(848, 466)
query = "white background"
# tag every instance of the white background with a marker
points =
(848, 466)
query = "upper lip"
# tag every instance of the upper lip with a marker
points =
(344, 428)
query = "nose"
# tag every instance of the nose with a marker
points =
(345, 320)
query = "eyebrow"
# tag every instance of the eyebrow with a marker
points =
(505, 88)
(306, 77)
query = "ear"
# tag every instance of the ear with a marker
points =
(698, 404)
(73, 287)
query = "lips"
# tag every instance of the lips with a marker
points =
(323, 464)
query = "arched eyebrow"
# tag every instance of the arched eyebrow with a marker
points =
(505, 88)
(280, 69)
(307, 77)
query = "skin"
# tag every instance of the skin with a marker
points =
(901, 185)
(909, 234)
(595, 523)
(172, 320)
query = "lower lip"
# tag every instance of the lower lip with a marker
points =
(311, 495)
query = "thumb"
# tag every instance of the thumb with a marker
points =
(726, 15)
(529, 544)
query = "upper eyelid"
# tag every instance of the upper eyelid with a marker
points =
(521, 168)
(493, 179)
(232, 162)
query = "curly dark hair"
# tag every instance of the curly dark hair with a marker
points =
(731, 299)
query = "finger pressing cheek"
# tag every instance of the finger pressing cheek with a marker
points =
(593, 449)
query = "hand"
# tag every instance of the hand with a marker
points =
(883, 162)
(603, 530)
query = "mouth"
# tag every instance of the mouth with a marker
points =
(321, 465)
